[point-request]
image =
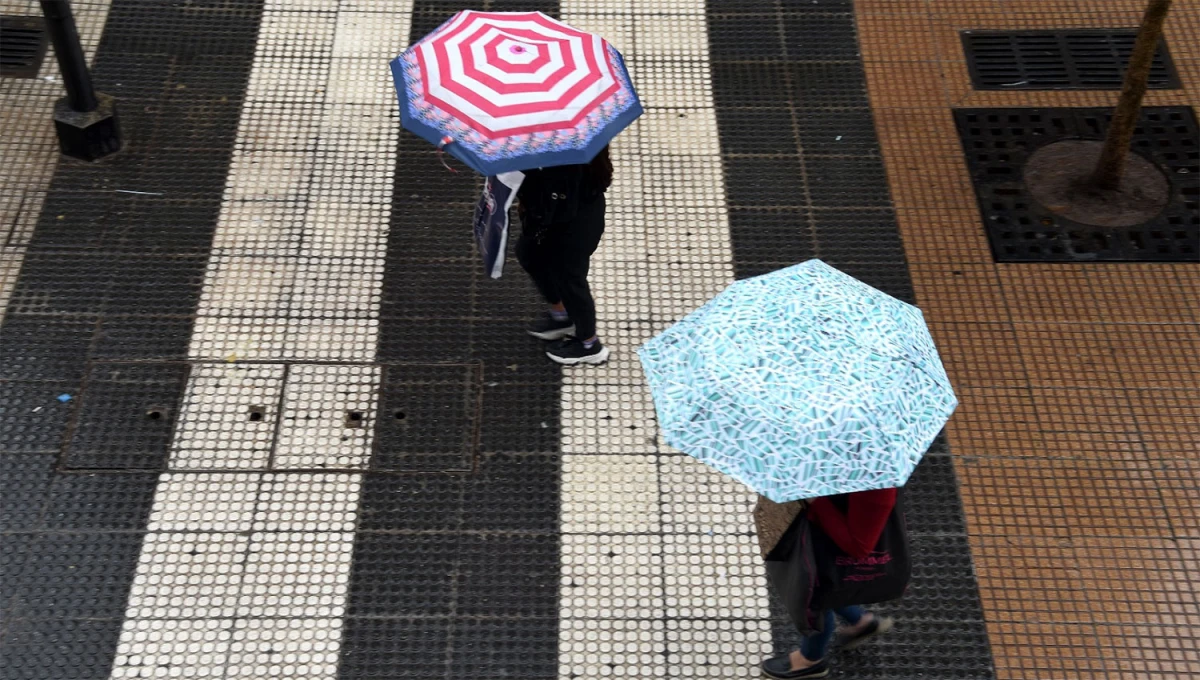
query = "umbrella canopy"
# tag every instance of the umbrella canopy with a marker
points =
(504, 91)
(800, 383)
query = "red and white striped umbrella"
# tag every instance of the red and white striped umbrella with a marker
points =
(508, 91)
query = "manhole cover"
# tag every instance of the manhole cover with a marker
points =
(126, 416)
(1058, 60)
(998, 142)
(22, 46)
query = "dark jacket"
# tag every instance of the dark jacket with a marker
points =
(555, 195)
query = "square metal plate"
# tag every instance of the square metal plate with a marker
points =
(125, 417)
(997, 142)
(1079, 59)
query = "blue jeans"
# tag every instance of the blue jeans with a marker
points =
(816, 644)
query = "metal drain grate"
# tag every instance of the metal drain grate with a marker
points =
(23, 44)
(997, 143)
(1082, 59)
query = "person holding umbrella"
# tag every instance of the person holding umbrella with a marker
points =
(809, 386)
(562, 220)
(531, 103)
(855, 528)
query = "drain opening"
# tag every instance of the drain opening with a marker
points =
(23, 44)
(1084, 59)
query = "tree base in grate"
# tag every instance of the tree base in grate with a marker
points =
(1059, 176)
(1024, 225)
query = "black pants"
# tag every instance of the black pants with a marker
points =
(557, 257)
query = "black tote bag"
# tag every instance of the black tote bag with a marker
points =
(882, 575)
(792, 570)
(811, 573)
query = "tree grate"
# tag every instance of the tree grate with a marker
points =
(23, 44)
(1082, 59)
(997, 142)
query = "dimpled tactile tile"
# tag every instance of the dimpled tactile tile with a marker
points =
(612, 576)
(163, 648)
(617, 417)
(672, 84)
(707, 648)
(60, 575)
(697, 499)
(516, 575)
(408, 648)
(71, 649)
(33, 418)
(402, 575)
(506, 492)
(24, 482)
(713, 577)
(305, 649)
(858, 326)
(399, 503)
(238, 339)
(263, 228)
(428, 418)
(340, 288)
(345, 229)
(197, 575)
(296, 575)
(328, 417)
(604, 494)
(305, 502)
(247, 286)
(229, 415)
(623, 648)
(502, 647)
(498, 587)
(269, 176)
(205, 502)
(622, 368)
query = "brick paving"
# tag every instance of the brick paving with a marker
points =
(1077, 438)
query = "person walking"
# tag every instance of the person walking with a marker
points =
(562, 220)
(854, 522)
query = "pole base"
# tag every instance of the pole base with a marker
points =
(88, 135)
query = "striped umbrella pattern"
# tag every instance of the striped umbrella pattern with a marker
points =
(505, 91)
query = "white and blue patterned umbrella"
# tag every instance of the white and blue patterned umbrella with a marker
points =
(800, 383)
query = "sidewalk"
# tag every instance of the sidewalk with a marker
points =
(1077, 438)
(270, 420)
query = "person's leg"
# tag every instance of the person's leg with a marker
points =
(852, 614)
(816, 644)
(573, 248)
(534, 259)
(808, 661)
(537, 260)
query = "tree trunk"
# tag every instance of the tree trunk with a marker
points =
(1111, 166)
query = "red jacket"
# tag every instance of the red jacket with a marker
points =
(857, 531)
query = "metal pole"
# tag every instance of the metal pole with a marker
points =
(60, 23)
